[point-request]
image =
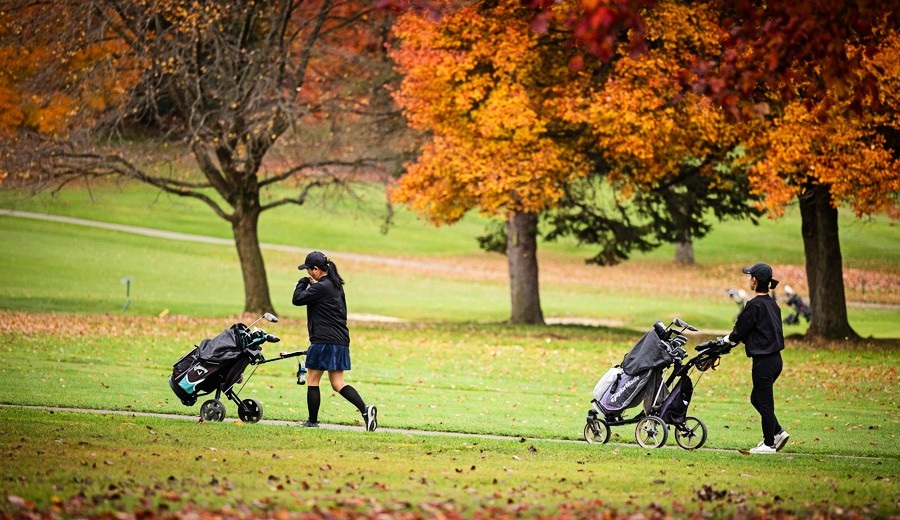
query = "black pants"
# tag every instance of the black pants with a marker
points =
(766, 370)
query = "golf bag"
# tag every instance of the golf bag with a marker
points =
(216, 364)
(637, 378)
(800, 308)
(675, 407)
(666, 400)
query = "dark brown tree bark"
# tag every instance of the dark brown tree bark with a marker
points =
(684, 252)
(824, 269)
(521, 253)
(245, 222)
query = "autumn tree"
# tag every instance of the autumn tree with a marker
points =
(772, 43)
(827, 150)
(627, 126)
(826, 157)
(481, 85)
(47, 81)
(233, 82)
(822, 70)
(671, 154)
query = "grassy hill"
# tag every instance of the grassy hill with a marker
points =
(74, 268)
(450, 367)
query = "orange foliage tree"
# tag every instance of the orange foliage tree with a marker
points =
(50, 84)
(775, 42)
(830, 155)
(484, 87)
(672, 151)
(517, 132)
(812, 85)
(226, 80)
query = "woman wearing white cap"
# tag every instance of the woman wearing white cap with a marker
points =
(758, 327)
(322, 292)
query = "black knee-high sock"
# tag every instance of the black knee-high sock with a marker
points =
(352, 395)
(313, 400)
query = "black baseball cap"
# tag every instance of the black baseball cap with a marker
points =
(760, 271)
(314, 259)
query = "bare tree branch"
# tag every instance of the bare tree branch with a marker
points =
(227, 82)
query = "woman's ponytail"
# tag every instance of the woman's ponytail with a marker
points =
(333, 272)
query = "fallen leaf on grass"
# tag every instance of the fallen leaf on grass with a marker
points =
(19, 501)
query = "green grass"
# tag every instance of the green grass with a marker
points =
(452, 366)
(473, 378)
(115, 463)
(526, 381)
(354, 222)
(866, 243)
(72, 268)
(81, 269)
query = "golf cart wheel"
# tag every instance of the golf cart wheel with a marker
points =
(651, 432)
(212, 410)
(250, 410)
(691, 434)
(596, 431)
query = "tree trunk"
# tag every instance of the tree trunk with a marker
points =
(521, 252)
(256, 286)
(824, 269)
(684, 252)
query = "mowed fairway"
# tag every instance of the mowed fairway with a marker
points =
(445, 364)
(532, 386)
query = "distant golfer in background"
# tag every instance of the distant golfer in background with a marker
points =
(322, 292)
(758, 327)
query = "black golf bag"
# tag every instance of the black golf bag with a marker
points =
(216, 364)
(666, 400)
(639, 377)
(675, 408)
(800, 308)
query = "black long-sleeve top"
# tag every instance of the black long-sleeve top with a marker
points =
(758, 327)
(326, 311)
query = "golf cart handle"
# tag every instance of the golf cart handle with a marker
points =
(718, 344)
(285, 355)
(706, 345)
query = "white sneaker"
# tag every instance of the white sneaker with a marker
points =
(371, 418)
(763, 449)
(781, 440)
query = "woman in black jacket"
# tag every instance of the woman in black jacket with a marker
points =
(758, 327)
(322, 292)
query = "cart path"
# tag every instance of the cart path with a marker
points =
(202, 239)
(188, 237)
(403, 431)
(382, 260)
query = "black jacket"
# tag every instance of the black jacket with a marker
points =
(758, 327)
(326, 311)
